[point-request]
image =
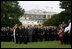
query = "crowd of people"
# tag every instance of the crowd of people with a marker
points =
(19, 34)
(31, 33)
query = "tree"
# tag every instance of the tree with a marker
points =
(54, 21)
(10, 12)
(67, 6)
(57, 19)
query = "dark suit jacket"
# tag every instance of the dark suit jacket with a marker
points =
(17, 31)
(24, 32)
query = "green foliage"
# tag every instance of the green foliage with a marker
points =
(57, 19)
(10, 9)
(66, 5)
(54, 21)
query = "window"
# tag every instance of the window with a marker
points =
(25, 17)
(40, 21)
(32, 22)
(44, 16)
(37, 21)
(49, 16)
(28, 22)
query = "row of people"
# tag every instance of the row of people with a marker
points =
(6, 34)
(24, 34)
(32, 33)
(36, 33)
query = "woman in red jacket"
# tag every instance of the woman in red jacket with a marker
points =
(60, 33)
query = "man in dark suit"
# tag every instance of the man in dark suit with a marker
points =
(11, 31)
(38, 34)
(30, 33)
(41, 33)
(47, 34)
(5, 33)
(8, 34)
(2, 34)
(25, 35)
(36, 31)
(34, 34)
(16, 32)
(20, 35)
(67, 33)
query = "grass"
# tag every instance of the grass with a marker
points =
(45, 44)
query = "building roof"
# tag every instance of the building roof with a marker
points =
(39, 11)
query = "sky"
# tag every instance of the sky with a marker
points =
(48, 5)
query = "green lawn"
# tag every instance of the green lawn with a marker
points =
(45, 44)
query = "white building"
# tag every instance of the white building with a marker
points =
(35, 17)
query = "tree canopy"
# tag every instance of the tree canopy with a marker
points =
(57, 19)
(10, 12)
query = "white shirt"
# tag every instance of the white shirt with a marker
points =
(14, 32)
(14, 36)
(68, 28)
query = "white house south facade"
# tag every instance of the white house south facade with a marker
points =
(35, 17)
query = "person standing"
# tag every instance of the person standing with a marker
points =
(34, 34)
(63, 25)
(25, 34)
(23, 31)
(67, 33)
(60, 33)
(5, 32)
(30, 33)
(2, 34)
(11, 30)
(16, 31)
(8, 34)
(20, 35)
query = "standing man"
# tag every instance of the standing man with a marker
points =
(25, 34)
(30, 33)
(20, 35)
(67, 35)
(11, 30)
(16, 29)
(33, 34)
(69, 32)
(8, 34)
